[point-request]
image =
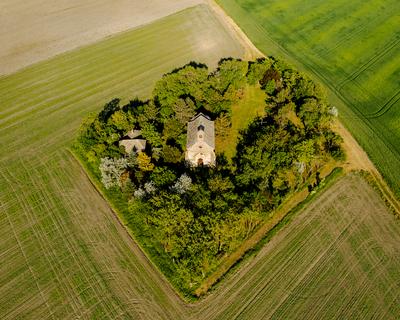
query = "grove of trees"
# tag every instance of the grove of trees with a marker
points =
(187, 218)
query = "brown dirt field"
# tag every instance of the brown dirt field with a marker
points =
(32, 31)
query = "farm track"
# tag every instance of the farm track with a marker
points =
(72, 258)
(386, 107)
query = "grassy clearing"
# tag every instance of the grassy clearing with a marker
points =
(336, 259)
(251, 105)
(351, 46)
(63, 254)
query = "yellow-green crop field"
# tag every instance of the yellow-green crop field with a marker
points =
(353, 47)
(64, 255)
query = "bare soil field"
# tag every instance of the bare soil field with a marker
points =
(31, 31)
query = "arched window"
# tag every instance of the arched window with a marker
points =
(200, 127)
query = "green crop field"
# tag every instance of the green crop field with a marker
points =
(62, 253)
(353, 47)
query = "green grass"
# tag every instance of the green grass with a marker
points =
(63, 254)
(251, 105)
(353, 47)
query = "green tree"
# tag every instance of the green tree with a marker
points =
(172, 154)
(109, 110)
(120, 121)
(222, 129)
(144, 162)
(162, 176)
(151, 134)
(257, 69)
(173, 128)
(184, 110)
(231, 72)
(149, 113)
(186, 81)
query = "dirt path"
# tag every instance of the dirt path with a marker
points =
(357, 159)
(251, 51)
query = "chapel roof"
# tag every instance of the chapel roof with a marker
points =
(204, 123)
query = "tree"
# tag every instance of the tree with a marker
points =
(231, 72)
(220, 185)
(222, 129)
(172, 154)
(111, 171)
(173, 128)
(120, 121)
(148, 113)
(184, 110)
(144, 162)
(151, 134)
(269, 86)
(109, 110)
(305, 151)
(186, 81)
(183, 184)
(257, 70)
(162, 176)
(270, 74)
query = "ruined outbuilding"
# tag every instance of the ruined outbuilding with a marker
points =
(132, 142)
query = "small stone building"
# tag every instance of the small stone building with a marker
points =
(132, 142)
(200, 146)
